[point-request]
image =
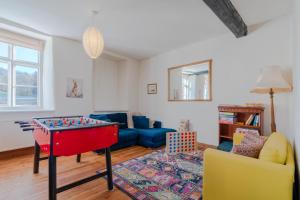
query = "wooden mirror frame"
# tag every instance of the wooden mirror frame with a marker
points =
(209, 61)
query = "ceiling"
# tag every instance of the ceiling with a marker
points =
(136, 28)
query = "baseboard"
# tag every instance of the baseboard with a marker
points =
(16, 153)
(203, 146)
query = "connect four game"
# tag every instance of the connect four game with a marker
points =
(179, 142)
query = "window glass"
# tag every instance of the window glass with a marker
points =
(26, 95)
(19, 72)
(26, 76)
(3, 73)
(26, 54)
(3, 94)
(3, 49)
(3, 83)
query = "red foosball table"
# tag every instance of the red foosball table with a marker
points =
(67, 136)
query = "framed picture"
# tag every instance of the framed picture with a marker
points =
(152, 88)
(74, 88)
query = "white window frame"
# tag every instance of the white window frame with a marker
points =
(11, 99)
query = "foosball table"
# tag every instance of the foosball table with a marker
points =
(67, 136)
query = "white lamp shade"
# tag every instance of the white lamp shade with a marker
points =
(93, 42)
(271, 78)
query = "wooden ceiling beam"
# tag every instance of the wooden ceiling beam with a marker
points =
(227, 13)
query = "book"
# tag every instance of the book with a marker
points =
(253, 120)
(250, 119)
(256, 121)
(227, 117)
(227, 113)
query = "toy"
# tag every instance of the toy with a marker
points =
(178, 142)
(67, 136)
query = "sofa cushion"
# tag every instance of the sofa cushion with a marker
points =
(102, 117)
(123, 145)
(151, 144)
(275, 149)
(120, 118)
(167, 129)
(157, 124)
(154, 137)
(154, 134)
(127, 135)
(140, 122)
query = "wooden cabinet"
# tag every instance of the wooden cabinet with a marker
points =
(241, 115)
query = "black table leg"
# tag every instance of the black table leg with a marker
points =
(78, 159)
(36, 161)
(109, 169)
(52, 177)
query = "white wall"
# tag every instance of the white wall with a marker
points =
(116, 85)
(236, 65)
(129, 85)
(70, 61)
(106, 86)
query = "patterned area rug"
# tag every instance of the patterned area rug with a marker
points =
(161, 176)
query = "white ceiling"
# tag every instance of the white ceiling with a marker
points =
(136, 28)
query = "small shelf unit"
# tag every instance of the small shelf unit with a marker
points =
(242, 114)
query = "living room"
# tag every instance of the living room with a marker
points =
(121, 78)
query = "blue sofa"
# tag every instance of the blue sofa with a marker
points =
(144, 136)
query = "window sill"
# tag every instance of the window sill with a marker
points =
(25, 110)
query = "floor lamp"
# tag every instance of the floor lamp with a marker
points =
(271, 81)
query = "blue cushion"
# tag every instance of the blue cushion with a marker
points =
(151, 144)
(120, 118)
(102, 117)
(127, 135)
(153, 137)
(123, 145)
(225, 146)
(151, 134)
(167, 130)
(154, 134)
(140, 122)
(157, 124)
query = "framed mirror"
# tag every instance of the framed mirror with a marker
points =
(190, 82)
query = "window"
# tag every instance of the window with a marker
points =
(20, 72)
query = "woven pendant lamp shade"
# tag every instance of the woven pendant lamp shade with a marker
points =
(93, 42)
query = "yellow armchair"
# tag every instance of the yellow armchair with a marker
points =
(228, 176)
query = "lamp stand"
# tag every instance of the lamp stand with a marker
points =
(273, 124)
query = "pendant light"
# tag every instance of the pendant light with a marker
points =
(92, 40)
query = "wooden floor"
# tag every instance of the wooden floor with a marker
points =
(18, 182)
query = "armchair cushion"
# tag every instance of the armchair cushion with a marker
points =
(247, 144)
(275, 149)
